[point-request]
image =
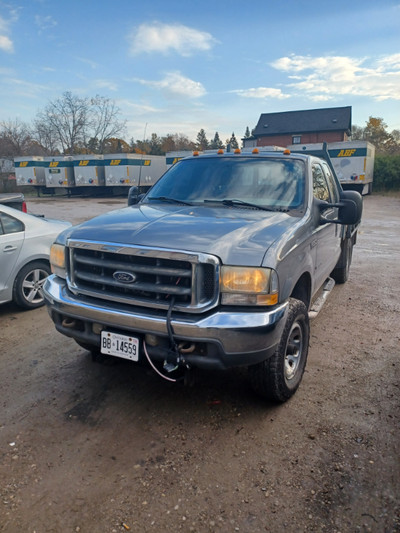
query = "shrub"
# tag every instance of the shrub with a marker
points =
(387, 173)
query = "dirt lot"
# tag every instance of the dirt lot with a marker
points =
(87, 447)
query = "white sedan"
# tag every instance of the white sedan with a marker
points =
(25, 242)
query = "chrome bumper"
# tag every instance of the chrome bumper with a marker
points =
(238, 338)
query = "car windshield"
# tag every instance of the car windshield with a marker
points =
(274, 183)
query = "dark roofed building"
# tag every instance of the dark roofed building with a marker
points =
(332, 124)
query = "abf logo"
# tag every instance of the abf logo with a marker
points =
(54, 164)
(83, 163)
(23, 164)
(346, 153)
(115, 161)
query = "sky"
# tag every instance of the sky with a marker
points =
(179, 66)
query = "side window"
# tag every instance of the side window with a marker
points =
(10, 224)
(331, 183)
(320, 186)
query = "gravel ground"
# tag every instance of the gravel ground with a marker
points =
(87, 447)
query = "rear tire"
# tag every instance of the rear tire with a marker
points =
(279, 377)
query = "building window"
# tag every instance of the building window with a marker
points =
(296, 139)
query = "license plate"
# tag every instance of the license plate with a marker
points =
(120, 345)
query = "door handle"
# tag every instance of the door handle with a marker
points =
(9, 248)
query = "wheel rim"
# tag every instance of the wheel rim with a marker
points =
(32, 286)
(294, 352)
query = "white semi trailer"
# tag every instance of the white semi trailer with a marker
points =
(353, 162)
(88, 170)
(59, 172)
(130, 170)
(30, 170)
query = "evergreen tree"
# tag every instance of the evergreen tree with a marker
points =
(201, 140)
(247, 133)
(233, 142)
(216, 143)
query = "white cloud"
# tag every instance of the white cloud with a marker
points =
(45, 22)
(26, 88)
(92, 64)
(163, 38)
(6, 43)
(261, 92)
(175, 84)
(139, 109)
(322, 78)
(106, 84)
(392, 61)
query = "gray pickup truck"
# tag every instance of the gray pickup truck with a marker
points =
(217, 266)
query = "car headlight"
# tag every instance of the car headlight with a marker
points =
(57, 260)
(248, 286)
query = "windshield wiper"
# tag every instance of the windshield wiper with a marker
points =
(168, 199)
(235, 202)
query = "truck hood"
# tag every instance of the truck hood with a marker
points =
(237, 236)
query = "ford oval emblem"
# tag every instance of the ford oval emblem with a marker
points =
(124, 277)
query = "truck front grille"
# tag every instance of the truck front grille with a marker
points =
(143, 276)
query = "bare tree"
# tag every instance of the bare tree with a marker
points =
(46, 136)
(76, 124)
(68, 118)
(15, 138)
(105, 123)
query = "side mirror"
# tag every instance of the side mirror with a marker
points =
(357, 199)
(133, 195)
(349, 212)
(350, 209)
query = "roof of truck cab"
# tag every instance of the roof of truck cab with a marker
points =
(259, 155)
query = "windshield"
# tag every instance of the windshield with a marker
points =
(269, 183)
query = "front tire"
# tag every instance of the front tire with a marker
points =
(279, 377)
(28, 285)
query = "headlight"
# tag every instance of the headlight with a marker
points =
(249, 286)
(57, 260)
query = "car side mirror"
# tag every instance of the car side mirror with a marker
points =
(133, 196)
(350, 209)
(357, 199)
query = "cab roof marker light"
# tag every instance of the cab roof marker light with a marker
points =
(220, 151)
(286, 152)
(195, 153)
(237, 151)
(255, 151)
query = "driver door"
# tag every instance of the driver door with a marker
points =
(327, 236)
